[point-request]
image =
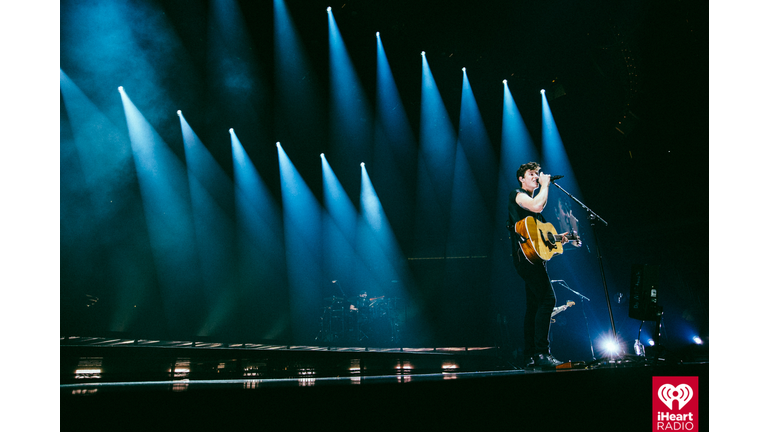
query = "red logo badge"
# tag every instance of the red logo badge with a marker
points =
(675, 403)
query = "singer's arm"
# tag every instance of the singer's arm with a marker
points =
(537, 203)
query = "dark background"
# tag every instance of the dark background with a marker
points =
(633, 120)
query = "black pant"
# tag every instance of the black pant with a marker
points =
(539, 302)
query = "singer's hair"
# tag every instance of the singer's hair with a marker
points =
(525, 167)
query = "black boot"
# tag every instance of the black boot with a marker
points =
(545, 361)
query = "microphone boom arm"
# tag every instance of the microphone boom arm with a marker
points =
(592, 214)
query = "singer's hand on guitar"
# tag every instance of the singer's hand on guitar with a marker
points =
(572, 238)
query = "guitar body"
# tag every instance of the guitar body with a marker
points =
(542, 242)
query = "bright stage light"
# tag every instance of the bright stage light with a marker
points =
(542, 91)
(322, 155)
(464, 69)
(231, 130)
(179, 113)
(278, 144)
(362, 164)
(423, 53)
(651, 342)
(698, 340)
(120, 89)
(377, 34)
(610, 346)
(505, 81)
(329, 9)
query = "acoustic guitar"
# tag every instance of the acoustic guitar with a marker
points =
(540, 241)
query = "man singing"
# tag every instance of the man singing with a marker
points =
(539, 294)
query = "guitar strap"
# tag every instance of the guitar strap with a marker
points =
(512, 231)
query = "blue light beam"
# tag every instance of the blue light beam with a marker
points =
(395, 151)
(517, 148)
(341, 260)
(376, 241)
(296, 96)
(302, 222)
(167, 209)
(260, 245)
(214, 231)
(234, 76)
(437, 141)
(474, 182)
(350, 114)
(98, 191)
(516, 144)
(378, 247)
(554, 157)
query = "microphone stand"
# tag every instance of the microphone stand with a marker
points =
(583, 312)
(593, 217)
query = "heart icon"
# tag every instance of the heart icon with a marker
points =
(682, 393)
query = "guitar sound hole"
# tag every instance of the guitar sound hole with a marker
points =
(550, 239)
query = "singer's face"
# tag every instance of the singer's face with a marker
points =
(531, 180)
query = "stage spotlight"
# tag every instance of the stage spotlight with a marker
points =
(278, 144)
(322, 155)
(651, 342)
(179, 113)
(698, 340)
(231, 130)
(542, 91)
(362, 164)
(423, 53)
(504, 82)
(377, 34)
(610, 346)
(120, 89)
(329, 9)
(464, 69)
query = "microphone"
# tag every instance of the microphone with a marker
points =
(556, 177)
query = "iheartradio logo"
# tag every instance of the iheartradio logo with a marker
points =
(671, 416)
(669, 393)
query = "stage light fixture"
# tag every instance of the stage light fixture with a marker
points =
(329, 9)
(120, 89)
(505, 81)
(698, 340)
(423, 53)
(231, 130)
(322, 155)
(362, 164)
(651, 342)
(610, 346)
(179, 113)
(377, 34)
(542, 91)
(278, 144)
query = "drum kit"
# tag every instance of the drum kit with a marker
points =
(361, 320)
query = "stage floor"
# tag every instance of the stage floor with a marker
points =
(131, 384)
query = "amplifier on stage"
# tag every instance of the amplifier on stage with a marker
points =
(643, 292)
